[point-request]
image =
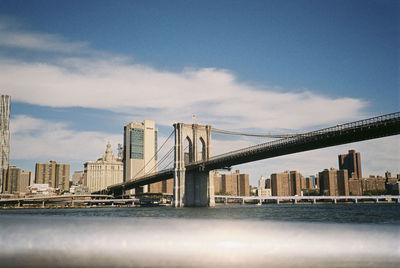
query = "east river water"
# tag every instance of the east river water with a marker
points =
(285, 235)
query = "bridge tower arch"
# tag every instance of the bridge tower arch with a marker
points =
(194, 187)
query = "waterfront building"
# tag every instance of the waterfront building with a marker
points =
(53, 174)
(351, 162)
(234, 184)
(4, 135)
(373, 183)
(16, 181)
(367, 185)
(106, 171)
(334, 182)
(286, 183)
(140, 147)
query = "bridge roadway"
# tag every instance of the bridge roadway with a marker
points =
(376, 127)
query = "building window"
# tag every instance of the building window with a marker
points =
(136, 143)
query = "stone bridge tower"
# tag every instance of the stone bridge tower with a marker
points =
(194, 187)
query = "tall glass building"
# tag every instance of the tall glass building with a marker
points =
(4, 134)
(140, 147)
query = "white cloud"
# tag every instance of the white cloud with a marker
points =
(15, 38)
(37, 139)
(114, 83)
(167, 97)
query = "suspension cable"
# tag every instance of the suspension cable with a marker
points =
(162, 160)
(215, 130)
(172, 161)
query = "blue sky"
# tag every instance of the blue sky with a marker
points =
(77, 71)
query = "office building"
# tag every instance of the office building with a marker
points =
(4, 135)
(286, 183)
(53, 174)
(352, 163)
(140, 147)
(333, 182)
(16, 181)
(106, 171)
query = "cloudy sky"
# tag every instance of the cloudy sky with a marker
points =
(78, 71)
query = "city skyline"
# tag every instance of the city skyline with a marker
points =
(227, 65)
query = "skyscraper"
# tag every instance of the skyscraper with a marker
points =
(140, 147)
(351, 162)
(4, 134)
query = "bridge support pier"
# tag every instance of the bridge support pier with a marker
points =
(193, 189)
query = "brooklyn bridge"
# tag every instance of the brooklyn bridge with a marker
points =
(193, 181)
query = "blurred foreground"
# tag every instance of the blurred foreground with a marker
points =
(68, 241)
